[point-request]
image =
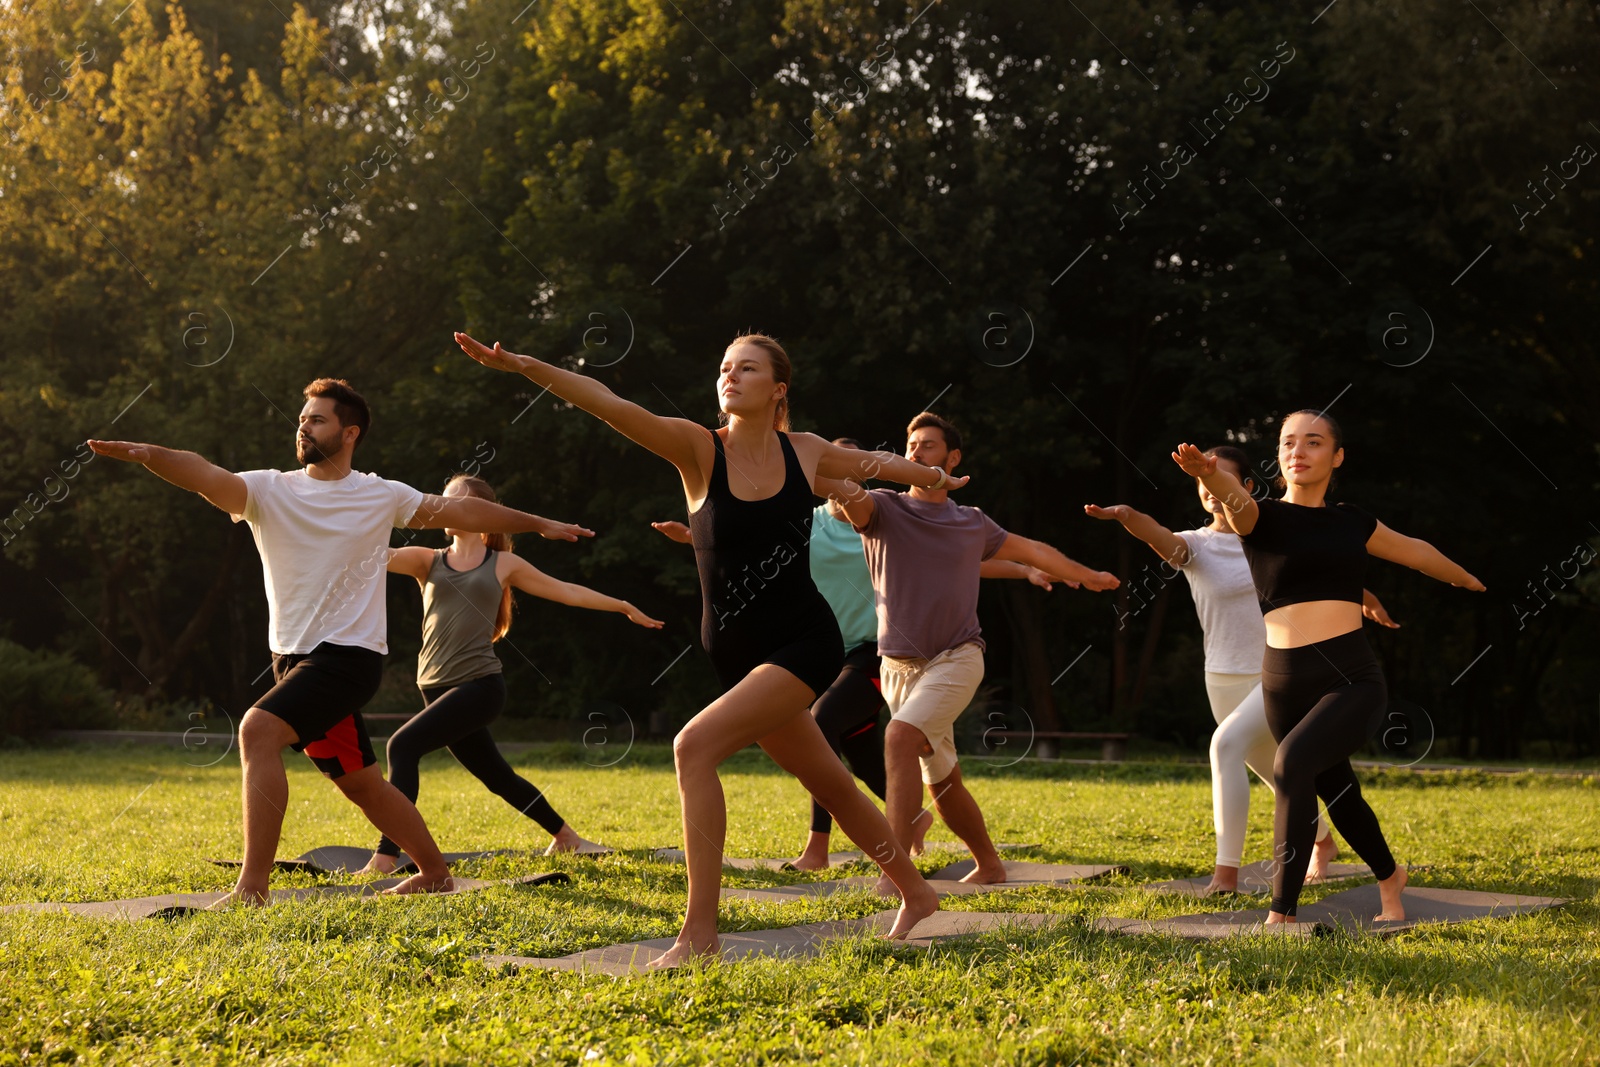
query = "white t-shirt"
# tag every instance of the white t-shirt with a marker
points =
(1225, 599)
(324, 549)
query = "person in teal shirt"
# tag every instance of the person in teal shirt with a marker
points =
(849, 712)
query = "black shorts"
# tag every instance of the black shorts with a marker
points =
(320, 695)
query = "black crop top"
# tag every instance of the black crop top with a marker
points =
(1298, 553)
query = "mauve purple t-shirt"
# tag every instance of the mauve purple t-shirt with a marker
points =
(924, 560)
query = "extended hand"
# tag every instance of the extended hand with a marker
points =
(1194, 462)
(1116, 512)
(1101, 581)
(636, 616)
(496, 358)
(1378, 614)
(127, 451)
(677, 531)
(563, 531)
(1471, 583)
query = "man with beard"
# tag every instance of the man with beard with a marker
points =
(323, 535)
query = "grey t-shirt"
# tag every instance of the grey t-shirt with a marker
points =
(924, 560)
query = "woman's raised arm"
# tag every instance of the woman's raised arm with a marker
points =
(678, 441)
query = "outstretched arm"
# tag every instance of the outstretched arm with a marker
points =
(1166, 544)
(186, 470)
(674, 440)
(413, 561)
(476, 515)
(1238, 508)
(835, 461)
(1419, 556)
(1038, 554)
(1007, 568)
(1373, 609)
(856, 503)
(530, 579)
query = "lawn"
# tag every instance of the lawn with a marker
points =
(393, 981)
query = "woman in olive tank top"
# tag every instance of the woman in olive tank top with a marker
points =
(466, 598)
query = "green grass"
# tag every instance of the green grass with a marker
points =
(392, 981)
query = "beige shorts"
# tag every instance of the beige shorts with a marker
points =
(931, 694)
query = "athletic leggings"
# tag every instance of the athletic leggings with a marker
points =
(1323, 702)
(848, 716)
(1242, 739)
(457, 717)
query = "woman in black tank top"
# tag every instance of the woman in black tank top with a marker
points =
(1321, 684)
(771, 637)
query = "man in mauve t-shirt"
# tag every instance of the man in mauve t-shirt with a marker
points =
(923, 552)
(323, 534)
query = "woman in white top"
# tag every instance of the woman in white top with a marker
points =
(1235, 641)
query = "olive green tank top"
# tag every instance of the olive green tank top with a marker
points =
(458, 612)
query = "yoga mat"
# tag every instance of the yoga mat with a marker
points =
(170, 905)
(1256, 878)
(772, 863)
(1351, 910)
(1019, 872)
(346, 859)
(1027, 874)
(793, 942)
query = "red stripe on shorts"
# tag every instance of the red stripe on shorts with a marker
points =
(342, 743)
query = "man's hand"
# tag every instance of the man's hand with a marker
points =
(495, 358)
(676, 531)
(127, 451)
(1101, 581)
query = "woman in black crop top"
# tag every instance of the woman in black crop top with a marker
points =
(1323, 689)
(771, 636)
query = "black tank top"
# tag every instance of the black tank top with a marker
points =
(754, 558)
(1299, 554)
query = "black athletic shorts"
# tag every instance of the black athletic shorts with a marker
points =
(320, 695)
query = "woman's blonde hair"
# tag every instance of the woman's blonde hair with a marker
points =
(782, 370)
(495, 542)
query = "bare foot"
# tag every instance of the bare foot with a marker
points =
(919, 832)
(1323, 855)
(686, 949)
(380, 864)
(422, 883)
(1274, 918)
(986, 874)
(567, 840)
(1223, 880)
(919, 903)
(885, 887)
(814, 857)
(241, 897)
(1389, 890)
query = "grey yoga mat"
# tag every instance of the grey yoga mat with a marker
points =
(1351, 910)
(1255, 878)
(345, 859)
(170, 905)
(793, 942)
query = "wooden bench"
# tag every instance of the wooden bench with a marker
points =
(1113, 747)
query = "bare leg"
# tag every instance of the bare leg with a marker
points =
(265, 796)
(903, 747)
(961, 813)
(919, 832)
(768, 705)
(380, 864)
(399, 820)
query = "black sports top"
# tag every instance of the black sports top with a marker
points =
(1298, 553)
(754, 558)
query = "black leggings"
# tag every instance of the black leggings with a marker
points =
(1324, 701)
(848, 715)
(457, 717)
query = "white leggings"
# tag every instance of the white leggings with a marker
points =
(1242, 739)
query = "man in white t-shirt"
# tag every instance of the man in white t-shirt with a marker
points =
(323, 534)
